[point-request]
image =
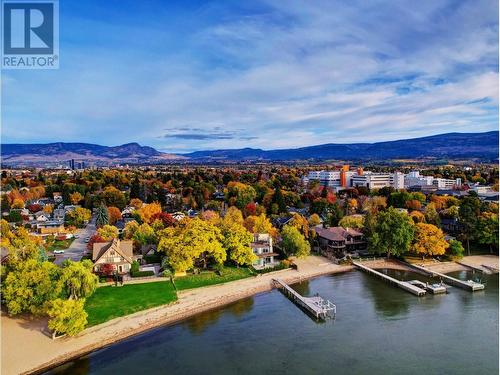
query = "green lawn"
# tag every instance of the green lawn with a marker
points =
(60, 244)
(109, 302)
(210, 278)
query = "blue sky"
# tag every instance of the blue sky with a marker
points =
(184, 76)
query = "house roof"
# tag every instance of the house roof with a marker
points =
(124, 248)
(336, 233)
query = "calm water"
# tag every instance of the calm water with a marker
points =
(379, 329)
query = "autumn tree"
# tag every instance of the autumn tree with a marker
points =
(78, 217)
(393, 233)
(96, 238)
(129, 230)
(353, 221)
(66, 317)
(75, 197)
(108, 232)
(114, 214)
(148, 211)
(77, 279)
(431, 215)
(314, 220)
(29, 286)
(417, 217)
(136, 203)
(293, 242)
(260, 224)
(234, 215)
(428, 240)
(239, 194)
(114, 197)
(166, 219)
(144, 235)
(236, 240)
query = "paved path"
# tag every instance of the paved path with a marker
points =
(78, 247)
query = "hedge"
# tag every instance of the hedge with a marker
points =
(142, 273)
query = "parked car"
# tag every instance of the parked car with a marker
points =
(58, 251)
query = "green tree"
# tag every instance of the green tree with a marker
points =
(486, 231)
(67, 317)
(145, 235)
(431, 215)
(101, 216)
(77, 279)
(456, 248)
(468, 214)
(29, 286)
(392, 234)
(353, 221)
(294, 243)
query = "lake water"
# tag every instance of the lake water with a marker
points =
(379, 329)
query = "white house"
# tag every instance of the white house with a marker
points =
(262, 246)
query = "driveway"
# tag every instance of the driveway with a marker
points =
(78, 247)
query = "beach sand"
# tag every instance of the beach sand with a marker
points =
(26, 348)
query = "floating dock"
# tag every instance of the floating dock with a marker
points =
(316, 306)
(469, 285)
(433, 288)
(405, 285)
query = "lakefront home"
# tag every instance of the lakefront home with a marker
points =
(117, 253)
(262, 246)
(339, 241)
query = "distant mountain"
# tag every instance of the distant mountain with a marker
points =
(449, 146)
(53, 153)
(482, 146)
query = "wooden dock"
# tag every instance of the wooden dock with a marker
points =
(316, 306)
(488, 270)
(413, 289)
(469, 285)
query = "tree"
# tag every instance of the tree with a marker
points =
(114, 214)
(429, 240)
(22, 246)
(335, 214)
(431, 215)
(392, 233)
(456, 248)
(417, 217)
(67, 317)
(353, 221)
(148, 212)
(29, 286)
(486, 230)
(166, 219)
(468, 214)
(413, 204)
(129, 230)
(233, 215)
(293, 242)
(196, 240)
(108, 232)
(300, 222)
(260, 224)
(144, 235)
(240, 194)
(114, 197)
(236, 240)
(77, 279)
(78, 217)
(17, 203)
(314, 220)
(75, 197)
(101, 216)
(136, 203)
(278, 198)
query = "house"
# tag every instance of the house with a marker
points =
(50, 227)
(128, 211)
(117, 253)
(262, 246)
(281, 221)
(451, 225)
(58, 198)
(59, 214)
(41, 216)
(339, 241)
(178, 216)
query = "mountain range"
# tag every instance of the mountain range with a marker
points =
(482, 146)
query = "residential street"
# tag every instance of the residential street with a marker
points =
(78, 247)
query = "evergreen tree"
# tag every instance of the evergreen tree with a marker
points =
(102, 217)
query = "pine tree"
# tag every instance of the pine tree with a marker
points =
(102, 217)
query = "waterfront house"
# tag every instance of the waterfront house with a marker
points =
(262, 246)
(117, 253)
(338, 241)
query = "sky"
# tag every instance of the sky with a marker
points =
(184, 76)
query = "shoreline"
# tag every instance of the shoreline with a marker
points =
(190, 303)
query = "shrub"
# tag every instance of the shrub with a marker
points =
(281, 266)
(141, 273)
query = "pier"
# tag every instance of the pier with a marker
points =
(413, 289)
(469, 285)
(316, 306)
(482, 268)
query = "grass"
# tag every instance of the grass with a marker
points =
(111, 302)
(60, 244)
(211, 278)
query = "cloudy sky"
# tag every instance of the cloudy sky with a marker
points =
(267, 74)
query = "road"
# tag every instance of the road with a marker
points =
(78, 247)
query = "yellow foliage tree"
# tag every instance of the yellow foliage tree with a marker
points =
(429, 240)
(75, 197)
(147, 211)
(108, 232)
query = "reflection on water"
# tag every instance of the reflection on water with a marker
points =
(379, 329)
(198, 323)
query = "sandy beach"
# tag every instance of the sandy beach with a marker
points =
(22, 336)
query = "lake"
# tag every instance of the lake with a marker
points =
(379, 329)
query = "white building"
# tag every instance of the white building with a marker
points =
(415, 179)
(262, 246)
